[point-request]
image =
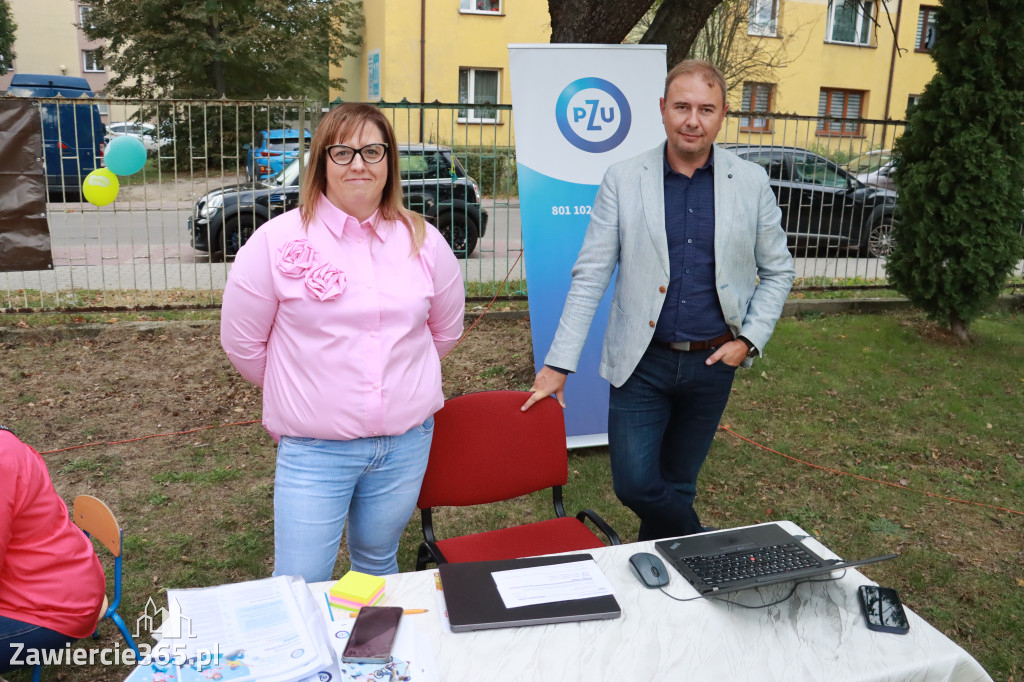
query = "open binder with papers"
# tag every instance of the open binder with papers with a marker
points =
(269, 630)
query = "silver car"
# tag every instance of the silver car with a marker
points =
(874, 168)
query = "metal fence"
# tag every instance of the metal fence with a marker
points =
(168, 238)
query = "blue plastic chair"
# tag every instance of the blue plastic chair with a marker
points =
(96, 520)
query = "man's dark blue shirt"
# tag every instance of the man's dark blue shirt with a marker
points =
(691, 311)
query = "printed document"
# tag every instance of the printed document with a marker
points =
(554, 583)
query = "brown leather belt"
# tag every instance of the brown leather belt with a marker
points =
(696, 345)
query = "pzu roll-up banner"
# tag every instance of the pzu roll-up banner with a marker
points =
(578, 109)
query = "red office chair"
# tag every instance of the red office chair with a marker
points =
(485, 450)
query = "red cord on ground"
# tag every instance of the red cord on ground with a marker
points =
(203, 428)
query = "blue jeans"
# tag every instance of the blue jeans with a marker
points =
(31, 637)
(661, 423)
(373, 483)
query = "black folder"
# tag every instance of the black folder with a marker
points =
(474, 603)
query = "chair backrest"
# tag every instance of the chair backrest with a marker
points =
(486, 449)
(94, 517)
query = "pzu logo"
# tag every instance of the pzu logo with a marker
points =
(593, 115)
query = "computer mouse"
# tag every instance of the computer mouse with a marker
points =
(648, 569)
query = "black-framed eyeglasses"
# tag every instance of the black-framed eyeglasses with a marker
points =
(343, 155)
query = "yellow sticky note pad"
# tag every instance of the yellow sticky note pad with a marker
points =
(358, 588)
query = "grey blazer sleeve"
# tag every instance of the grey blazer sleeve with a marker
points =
(590, 277)
(775, 270)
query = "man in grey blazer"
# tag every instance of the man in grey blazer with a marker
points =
(703, 273)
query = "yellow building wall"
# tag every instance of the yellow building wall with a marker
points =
(47, 41)
(46, 38)
(813, 64)
(451, 40)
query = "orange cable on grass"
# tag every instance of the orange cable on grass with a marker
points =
(155, 435)
(466, 333)
(256, 421)
(725, 427)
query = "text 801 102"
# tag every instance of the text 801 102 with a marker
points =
(570, 210)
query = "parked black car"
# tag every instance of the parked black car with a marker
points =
(434, 183)
(823, 206)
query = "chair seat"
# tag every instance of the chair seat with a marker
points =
(564, 534)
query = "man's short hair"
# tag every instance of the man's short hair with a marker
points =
(711, 73)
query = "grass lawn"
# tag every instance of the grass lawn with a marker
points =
(838, 408)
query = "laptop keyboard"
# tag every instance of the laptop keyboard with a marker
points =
(726, 568)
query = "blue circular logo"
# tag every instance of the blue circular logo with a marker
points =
(593, 115)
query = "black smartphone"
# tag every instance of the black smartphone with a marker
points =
(373, 635)
(883, 610)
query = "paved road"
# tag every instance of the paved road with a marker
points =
(141, 242)
(144, 245)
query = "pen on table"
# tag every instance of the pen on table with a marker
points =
(407, 612)
(329, 609)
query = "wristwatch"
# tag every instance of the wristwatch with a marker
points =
(752, 351)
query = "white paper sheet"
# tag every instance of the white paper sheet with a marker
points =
(547, 584)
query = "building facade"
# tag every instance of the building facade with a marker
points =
(840, 58)
(836, 58)
(48, 41)
(446, 51)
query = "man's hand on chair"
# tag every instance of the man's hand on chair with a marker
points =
(548, 382)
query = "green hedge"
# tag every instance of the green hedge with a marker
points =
(494, 169)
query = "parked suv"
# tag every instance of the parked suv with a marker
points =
(275, 149)
(434, 184)
(823, 206)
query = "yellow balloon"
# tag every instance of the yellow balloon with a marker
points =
(100, 187)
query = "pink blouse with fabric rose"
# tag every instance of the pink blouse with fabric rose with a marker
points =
(340, 325)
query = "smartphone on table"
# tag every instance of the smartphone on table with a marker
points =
(373, 635)
(883, 610)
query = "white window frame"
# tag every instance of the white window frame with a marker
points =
(912, 101)
(83, 16)
(96, 66)
(468, 115)
(864, 20)
(469, 7)
(756, 23)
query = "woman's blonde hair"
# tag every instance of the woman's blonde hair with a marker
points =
(341, 122)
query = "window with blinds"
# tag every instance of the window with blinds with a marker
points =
(757, 97)
(840, 104)
(925, 40)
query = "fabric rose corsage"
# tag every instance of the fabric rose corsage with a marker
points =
(296, 258)
(326, 282)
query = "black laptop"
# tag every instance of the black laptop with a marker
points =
(742, 558)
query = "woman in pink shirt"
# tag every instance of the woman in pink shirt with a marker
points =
(341, 310)
(51, 582)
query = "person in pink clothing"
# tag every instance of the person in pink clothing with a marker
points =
(341, 311)
(51, 582)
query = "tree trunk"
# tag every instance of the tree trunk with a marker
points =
(216, 65)
(959, 328)
(594, 21)
(676, 24)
